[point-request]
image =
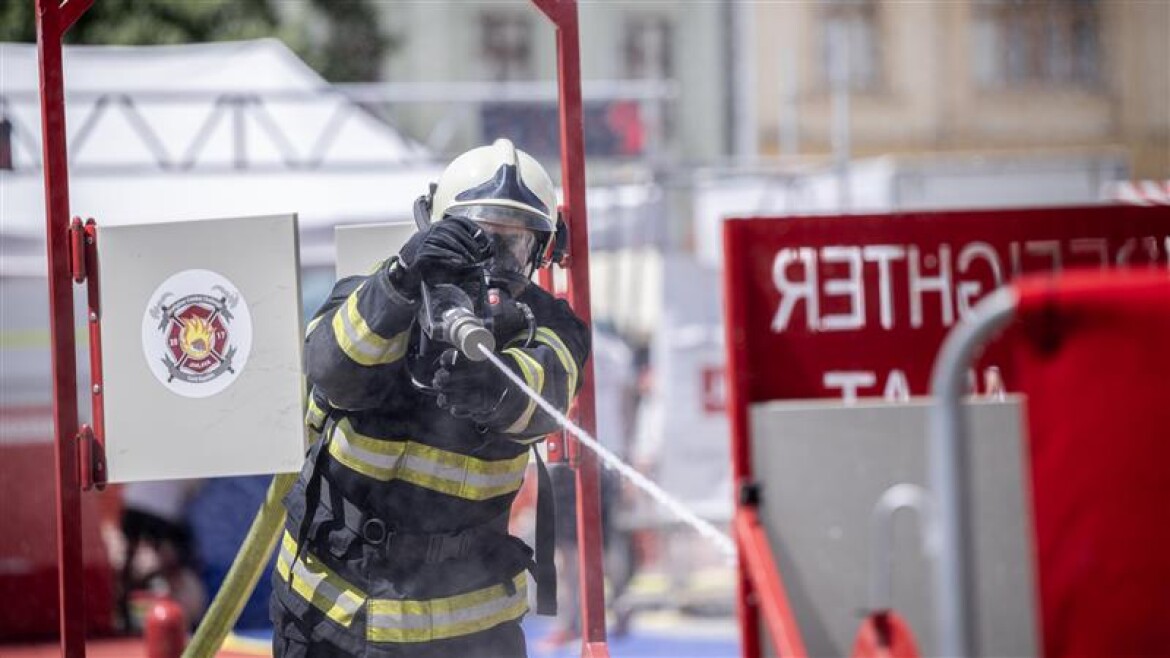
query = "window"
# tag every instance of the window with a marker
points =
(507, 44)
(646, 48)
(851, 26)
(1037, 42)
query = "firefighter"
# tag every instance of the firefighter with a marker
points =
(396, 542)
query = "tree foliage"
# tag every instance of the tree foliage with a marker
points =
(150, 22)
(355, 45)
(351, 50)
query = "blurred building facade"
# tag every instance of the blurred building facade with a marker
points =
(986, 76)
(669, 52)
(755, 79)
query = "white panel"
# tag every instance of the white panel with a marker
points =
(362, 247)
(201, 348)
(822, 467)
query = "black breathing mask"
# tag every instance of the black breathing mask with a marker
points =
(513, 250)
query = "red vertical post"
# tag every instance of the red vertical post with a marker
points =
(761, 589)
(53, 19)
(737, 403)
(563, 14)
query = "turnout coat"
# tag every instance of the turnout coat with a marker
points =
(396, 536)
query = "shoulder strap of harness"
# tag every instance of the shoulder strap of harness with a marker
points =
(311, 475)
(544, 570)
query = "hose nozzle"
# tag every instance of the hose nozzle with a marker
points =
(447, 315)
(466, 332)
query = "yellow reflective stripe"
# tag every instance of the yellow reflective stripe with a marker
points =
(314, 420)
(439, 470)
(461, 475)
(534, 377)
(313, 324)
(550, 338)
(369, 456)
(359, 342)
(314, 415)
(319, 585)
(390, 620)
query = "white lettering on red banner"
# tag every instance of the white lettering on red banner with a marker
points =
(953, 277)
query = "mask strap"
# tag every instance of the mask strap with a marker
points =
(560, 240)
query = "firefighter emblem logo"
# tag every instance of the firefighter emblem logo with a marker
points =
(196, 333)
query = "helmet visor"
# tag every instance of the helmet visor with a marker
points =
(513, 232)
(502, 215)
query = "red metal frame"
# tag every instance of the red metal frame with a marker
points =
(563, 14)
(1092, 341)
(760, 586)
(53, 20)
(757, 567)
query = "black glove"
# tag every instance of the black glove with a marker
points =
(449, 251)
(510, 319)
(477, 390)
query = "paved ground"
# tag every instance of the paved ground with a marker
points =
(694, 619)
(653, 635)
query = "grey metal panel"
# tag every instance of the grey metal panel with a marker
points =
(823, 466)
(362, 246)
(255, 423)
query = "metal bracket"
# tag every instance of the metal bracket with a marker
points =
(556, 448)
(76, 250)
(83, 263)
(92, 462)
(91, 270)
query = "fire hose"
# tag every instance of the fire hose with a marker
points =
(705, 529)
(246, 570)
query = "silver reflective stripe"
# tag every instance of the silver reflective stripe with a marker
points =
(550, 338)
(457, 475)
(440, 470)
(418, 463)
(422, 621)
(320, 586)
(494, 481)
(534, 377)
(369, 456)
(359, 341)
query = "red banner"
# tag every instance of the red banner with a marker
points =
(857, 306)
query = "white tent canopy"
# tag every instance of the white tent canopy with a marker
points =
(162, 133)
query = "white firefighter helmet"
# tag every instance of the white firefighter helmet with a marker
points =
(508, 192)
